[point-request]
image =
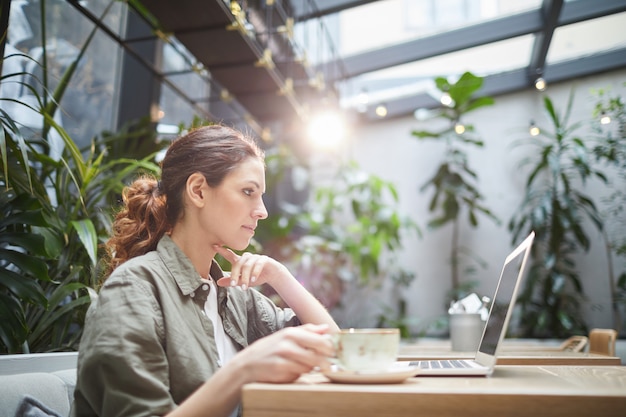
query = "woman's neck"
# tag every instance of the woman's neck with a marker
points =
(197, 249)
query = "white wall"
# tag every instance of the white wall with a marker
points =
(388, 150)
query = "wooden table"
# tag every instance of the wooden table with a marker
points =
(513, 352)
(511, 391)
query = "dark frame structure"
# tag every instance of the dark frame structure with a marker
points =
(259, 79)
(541, 22)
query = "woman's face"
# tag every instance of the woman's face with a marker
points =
(236, 206)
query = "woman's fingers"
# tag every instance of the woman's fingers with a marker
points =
(243, 269)
(288, 353)
(224, 281)
(246, 269)
(307, 345)
(228, 254)
(311, 340)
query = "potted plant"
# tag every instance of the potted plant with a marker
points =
(554, 206)
(455, 184)
(609, 124)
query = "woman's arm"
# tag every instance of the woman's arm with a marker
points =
(250, 269)
(281, 357)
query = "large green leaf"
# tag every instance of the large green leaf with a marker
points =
(478, 103)
(464, 88)
(22, 286)
(89, 238)
(28, 264)
(27, 241)
(31, 218)
(12, 130)
(13, 330)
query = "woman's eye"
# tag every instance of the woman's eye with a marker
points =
(248, 191)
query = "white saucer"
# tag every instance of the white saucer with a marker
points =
(392, 375)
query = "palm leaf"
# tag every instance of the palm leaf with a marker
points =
(89, 238)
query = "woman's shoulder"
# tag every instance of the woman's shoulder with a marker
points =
(133, 285)
(142, 271)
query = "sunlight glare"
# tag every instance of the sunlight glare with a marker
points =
(327, 130)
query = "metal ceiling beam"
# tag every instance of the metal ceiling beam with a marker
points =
(443, 43)
(253, 62)
(586, 66)
(314, 9)
(472, 36)
(579, 11)
(510, 82)
(550, 11)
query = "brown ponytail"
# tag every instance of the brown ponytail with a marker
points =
(139, 225)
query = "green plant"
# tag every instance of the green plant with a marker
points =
(51, 229)
(609, 124)
(358, 211)
(343, 233)
(454, 185)
(54, 215)
(555, 207)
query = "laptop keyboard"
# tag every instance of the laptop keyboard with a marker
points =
(438, 364)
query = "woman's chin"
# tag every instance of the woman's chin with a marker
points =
(241, 245)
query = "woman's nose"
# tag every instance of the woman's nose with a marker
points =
(261, 211)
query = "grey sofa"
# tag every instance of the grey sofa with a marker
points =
(37, 384)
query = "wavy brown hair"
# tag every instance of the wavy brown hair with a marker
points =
(151, 208)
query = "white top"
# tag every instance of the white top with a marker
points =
(225, 347)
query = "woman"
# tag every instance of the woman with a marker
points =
(170, 333)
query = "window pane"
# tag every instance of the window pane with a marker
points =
(416, 77)
(176, 110)
(87, 105)
(589, 37)
(385, 22)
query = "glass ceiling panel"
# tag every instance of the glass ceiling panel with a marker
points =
(387, 22)
(416, 77)
(176, 57)
(587, 38)
(115, 17)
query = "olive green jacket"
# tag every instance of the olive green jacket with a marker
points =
(147, 343)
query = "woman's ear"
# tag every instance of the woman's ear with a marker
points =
(195, 188)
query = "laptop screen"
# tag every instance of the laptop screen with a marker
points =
(502, 300)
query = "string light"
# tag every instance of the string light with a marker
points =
(540, 84)
(362, 101)
(605, 119)
(446, 100)
(459, 128)
(381, 110)
(363, 97)
(533, 130)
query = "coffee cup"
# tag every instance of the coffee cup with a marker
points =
(369, 350)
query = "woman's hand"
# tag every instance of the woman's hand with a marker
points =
(249, 269)
(285, 355)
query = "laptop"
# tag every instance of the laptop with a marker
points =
(500, 312)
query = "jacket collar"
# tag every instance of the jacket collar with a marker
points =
(180, 267)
